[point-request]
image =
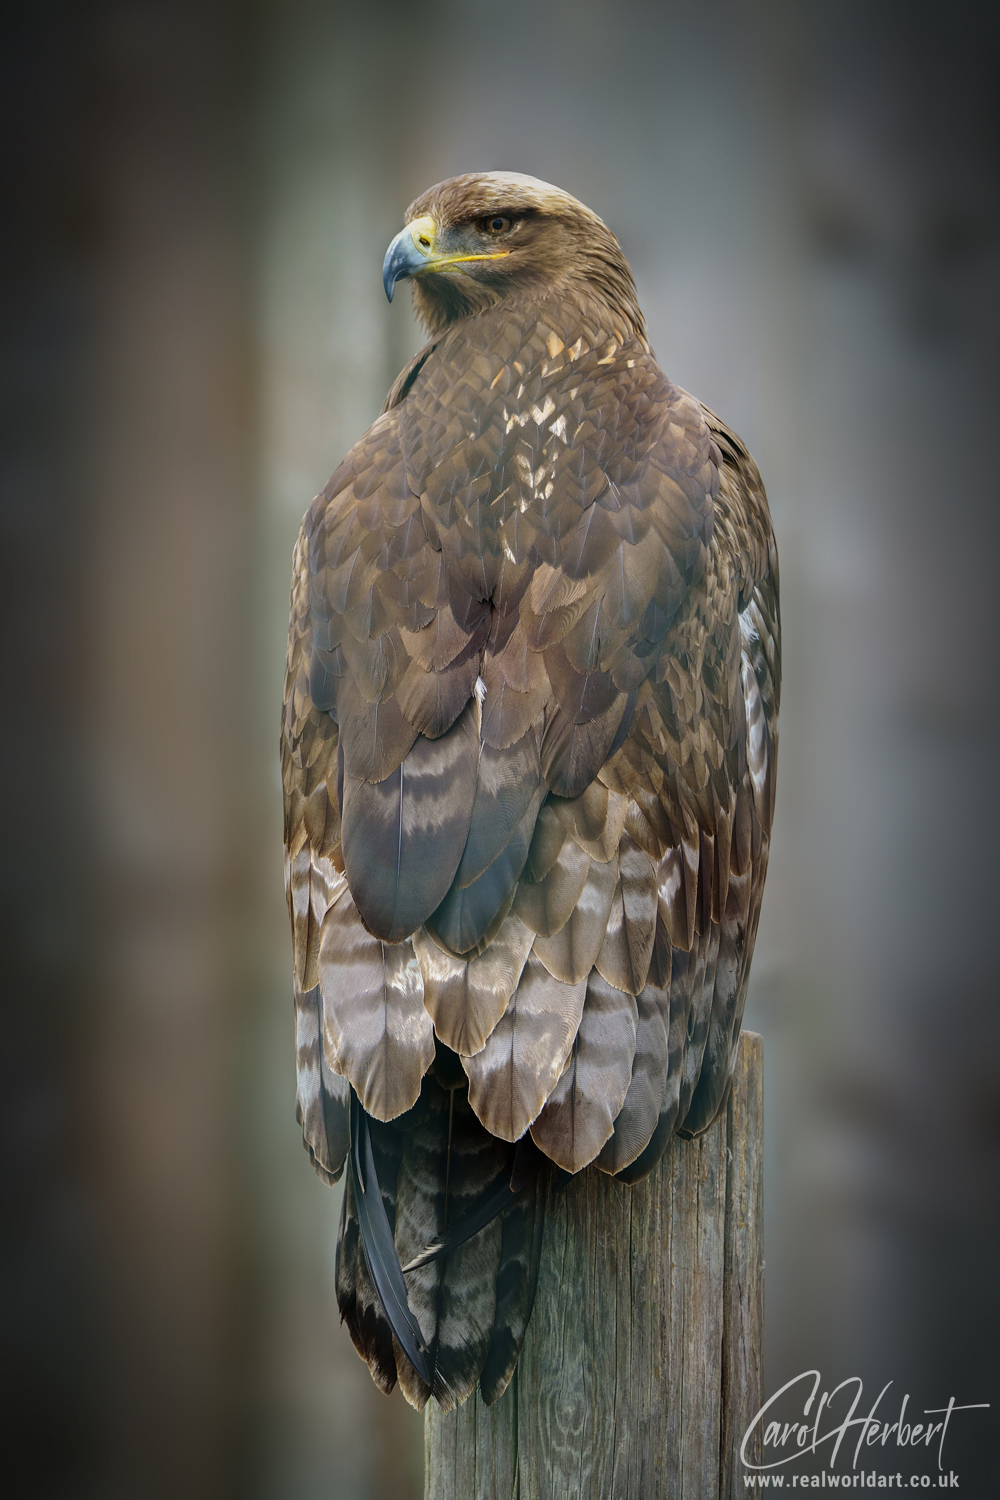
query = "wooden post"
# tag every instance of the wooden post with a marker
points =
(642, 1364)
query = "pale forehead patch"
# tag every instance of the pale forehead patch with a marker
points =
(477, 192)
(521, 187)
(513, 181)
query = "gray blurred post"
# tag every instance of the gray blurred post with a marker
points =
(642, 1365)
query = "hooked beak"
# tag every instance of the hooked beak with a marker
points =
(415, 250)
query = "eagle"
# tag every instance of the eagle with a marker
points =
(529, 747)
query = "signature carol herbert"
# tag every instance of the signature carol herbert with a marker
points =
(809, 1433)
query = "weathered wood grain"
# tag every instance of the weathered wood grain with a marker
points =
(641, 1367)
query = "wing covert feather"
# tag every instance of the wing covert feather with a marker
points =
(404, 836)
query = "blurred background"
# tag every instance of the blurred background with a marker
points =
(197, 195)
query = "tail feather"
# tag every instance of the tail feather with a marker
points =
(449, 1161)
(520, 1251)
(464, 1212)
(377, 1243)
(360, 1306)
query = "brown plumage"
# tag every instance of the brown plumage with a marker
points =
(529, 752)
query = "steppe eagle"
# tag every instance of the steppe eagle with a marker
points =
(529, 750)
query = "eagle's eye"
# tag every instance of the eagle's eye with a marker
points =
(498, 224)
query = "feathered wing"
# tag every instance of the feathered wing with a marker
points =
(529, 756)
(314, 878)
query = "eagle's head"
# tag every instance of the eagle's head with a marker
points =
(480, 239)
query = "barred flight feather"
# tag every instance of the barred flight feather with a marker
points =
(465, 998)
(322, 1099)
(376, 1030)
(579, 1115)
(524, 1057)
